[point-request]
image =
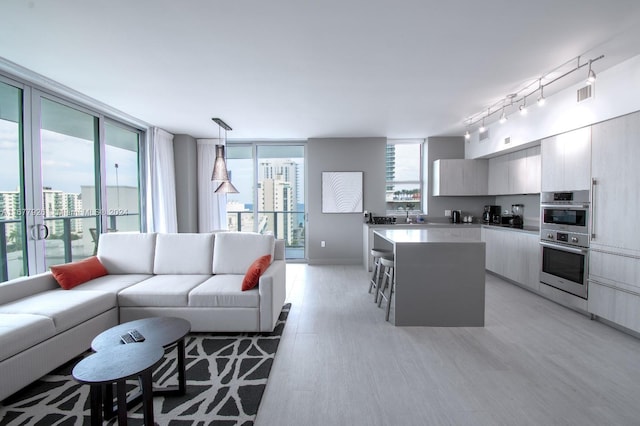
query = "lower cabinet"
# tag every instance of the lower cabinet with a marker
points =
(513, 254)
(614, 288)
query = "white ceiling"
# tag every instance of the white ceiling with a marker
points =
(295, 69)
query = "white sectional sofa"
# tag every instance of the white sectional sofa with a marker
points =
(193, 276)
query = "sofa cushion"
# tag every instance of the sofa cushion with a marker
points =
(21, 331)
(70, 275)
(183, 254)
(255, 271)
(161, 290)
(224, 291)
(26, 286)
(234, 252)
(112, 283)
(66, 308)
(127, 253)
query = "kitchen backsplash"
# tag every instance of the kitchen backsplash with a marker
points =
(531, 206)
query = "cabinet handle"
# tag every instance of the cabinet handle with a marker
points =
(594, 183)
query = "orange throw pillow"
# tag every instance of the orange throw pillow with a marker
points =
(254, 272)
(73, 274)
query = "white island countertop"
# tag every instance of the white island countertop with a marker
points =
(424, 235)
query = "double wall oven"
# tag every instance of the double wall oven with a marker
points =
(564, 240)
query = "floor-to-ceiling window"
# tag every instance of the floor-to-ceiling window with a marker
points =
(270, 181)
(67, 173)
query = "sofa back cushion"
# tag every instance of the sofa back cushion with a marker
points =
(183, 254)
(22, 287)
(127, 253)
(234, 252)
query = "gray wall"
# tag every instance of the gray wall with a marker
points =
(186, 164)
(449, 147)
(342, 232)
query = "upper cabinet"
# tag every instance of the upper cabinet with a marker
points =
(515, 173)
(459, 177)
(566, 161)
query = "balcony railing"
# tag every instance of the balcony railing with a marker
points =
(70, 238)
(288, 226)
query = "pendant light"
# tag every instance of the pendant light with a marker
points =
(220, 173)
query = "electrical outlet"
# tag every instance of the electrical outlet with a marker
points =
(447, 213)
(323, 244)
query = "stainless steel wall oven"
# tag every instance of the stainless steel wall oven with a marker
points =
(564, 241)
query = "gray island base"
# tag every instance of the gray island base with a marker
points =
(440, 277)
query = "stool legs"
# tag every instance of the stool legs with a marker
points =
(388, 280)
(374, 283)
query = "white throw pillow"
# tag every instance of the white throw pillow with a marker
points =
(234, 252)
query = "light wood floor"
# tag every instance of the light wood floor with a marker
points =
(534, 363)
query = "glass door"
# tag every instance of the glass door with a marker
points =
(13, 254)
(270, 181)
(67, 182)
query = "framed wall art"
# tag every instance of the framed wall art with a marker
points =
(342, 192)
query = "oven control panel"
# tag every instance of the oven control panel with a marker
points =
(568, 238)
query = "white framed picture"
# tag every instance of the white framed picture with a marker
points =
(342, 192)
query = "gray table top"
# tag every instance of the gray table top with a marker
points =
(160, 331)
(117, 363)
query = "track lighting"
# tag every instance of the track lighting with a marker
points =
(503, 116)
(527, 90)
(523, 107)
(591, 76)
(467, 135)
(541, 99)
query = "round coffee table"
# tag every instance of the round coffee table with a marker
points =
(115, 365)
(162, 332)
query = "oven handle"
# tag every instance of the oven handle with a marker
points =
(564, 248)
(565, 206)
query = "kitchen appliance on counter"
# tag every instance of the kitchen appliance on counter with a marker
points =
(490, 212)
(383, 220)
(564, 241)
(517, 216)
(456, 216)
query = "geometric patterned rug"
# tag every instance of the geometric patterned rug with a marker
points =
(226, 376)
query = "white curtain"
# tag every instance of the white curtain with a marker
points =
(161, 197)
(212, 208)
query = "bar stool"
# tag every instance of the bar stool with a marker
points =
(388, 279)
(374, 282)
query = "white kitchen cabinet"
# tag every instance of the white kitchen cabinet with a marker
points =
(614, 261)
(566, 161)
(513, 254)
(515, 173)
(459, 177)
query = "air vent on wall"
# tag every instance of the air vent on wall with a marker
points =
(584, 93)
(484, 135)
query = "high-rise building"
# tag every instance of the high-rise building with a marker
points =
(277, 197)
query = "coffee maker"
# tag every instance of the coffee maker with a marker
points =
(517, 220)
(490, 212)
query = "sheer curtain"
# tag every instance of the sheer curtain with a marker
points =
(212, 208)
(161, 197)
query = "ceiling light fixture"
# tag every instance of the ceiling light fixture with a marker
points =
(541, 99)
(528, 90)
(523, 107)
(503, 116)
(591, 76)
(220, 173)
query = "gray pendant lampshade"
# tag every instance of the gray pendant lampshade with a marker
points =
(219, 166)
(226, 187)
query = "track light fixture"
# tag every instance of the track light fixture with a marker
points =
(528, 90)
(591, 76)
(541, 99)
(523, 107)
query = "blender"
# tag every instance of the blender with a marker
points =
(517, 220)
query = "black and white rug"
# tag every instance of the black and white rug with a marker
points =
(226, 377)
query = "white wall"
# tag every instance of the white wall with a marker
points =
(617, 92)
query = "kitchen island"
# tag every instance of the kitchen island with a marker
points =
(440, 277)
